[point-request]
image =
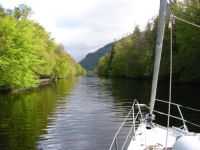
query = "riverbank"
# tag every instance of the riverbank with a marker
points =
(43, 82)
(149, 79)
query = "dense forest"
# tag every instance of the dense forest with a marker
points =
(28, 53)
(132, 56)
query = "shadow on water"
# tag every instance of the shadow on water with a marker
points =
(128, 90)
(24, 116)
(184, 94)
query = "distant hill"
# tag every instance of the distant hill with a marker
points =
(90, 61)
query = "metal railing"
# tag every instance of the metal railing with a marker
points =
(181, 118)
(137, 117)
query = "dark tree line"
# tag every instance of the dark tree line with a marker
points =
(133, 55)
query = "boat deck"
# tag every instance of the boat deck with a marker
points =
(153, 139)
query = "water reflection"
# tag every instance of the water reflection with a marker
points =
(23, 116)
(77, 114)
(127, 90)
(86, 123)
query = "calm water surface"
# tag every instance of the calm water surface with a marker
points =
(77, 114)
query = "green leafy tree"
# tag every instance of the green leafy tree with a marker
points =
(28, 53)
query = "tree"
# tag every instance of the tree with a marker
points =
(22, 12)
(28, 53)
(2, 11)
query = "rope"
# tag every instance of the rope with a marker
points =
(175, 117)
(178, 118)
(170, 77)
(189, 108)
(191, 123)
(186, 21)
(182, 106)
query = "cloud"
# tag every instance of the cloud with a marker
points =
(84, 25)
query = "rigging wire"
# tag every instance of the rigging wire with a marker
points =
(170, 3)
(188, 122)
(170, 76)
(171, 22)
(182, 106)
(186, 21)
(187, 6)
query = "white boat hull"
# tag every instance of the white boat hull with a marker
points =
(154, 138)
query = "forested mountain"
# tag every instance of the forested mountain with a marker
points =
(91, 60)
(132, 56)
(28, 53)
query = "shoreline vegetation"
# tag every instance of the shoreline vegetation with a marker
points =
(29, 56)
(133, 55)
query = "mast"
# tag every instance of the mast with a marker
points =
(158, 51)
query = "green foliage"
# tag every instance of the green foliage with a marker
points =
(2, 11)
(102, 67)
(17, 53)
(27, 53)
(132, 56)
(65, 68)
(187, 41)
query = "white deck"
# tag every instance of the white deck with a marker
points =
(154, 138)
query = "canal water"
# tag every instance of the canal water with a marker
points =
(79, 114)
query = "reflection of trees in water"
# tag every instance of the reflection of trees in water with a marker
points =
(128, 90)
(24, 116)
(124, 91)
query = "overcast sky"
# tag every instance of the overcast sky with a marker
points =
(85, 25)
